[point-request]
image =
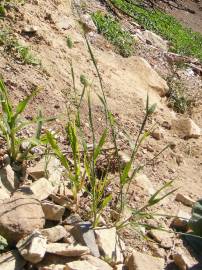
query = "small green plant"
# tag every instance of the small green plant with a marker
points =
(12, 46)
(177, 99)
(195, 223)
(184, 41)
(112, 30)
(11, 123)
(2, 11)
(3, 244)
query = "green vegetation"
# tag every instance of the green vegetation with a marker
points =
(177, 99)
(112, 30)
(11, 123)
(195, 222)
(184, 41)
(12, 46)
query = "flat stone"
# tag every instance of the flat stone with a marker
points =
(80, 265)
(54, 234)
(53, 267)
(87, 23)
(67, 250)
(140, 261)
(108, 242)
(42, 188)
(53, 211)
(84, 235)
(162, 237)
(184, 200)
(186, 128)
(100, 264)
(11, 261)
(155, 40)
(33, 247)
(19, 216)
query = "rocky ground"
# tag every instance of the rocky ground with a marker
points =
(37, 216)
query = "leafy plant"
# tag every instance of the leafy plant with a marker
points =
(11, 124)
(184, 41)
(112, 30)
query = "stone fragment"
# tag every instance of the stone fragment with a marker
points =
(143, 182)
(155, 40)
(157, 134)
(140, 261)
(186, 128)
(120, 267)
(54, 234)
(11, 261)
(184, 200)
(53, 267)
(32, 247)
(80, 265)
(84, 235)
(30, 29)
(42, 188)
(180, 222)
(19, 216)
(4, 194)
(183, 261)
(87, 23)
(109, 243)
(100, 264)
(73, 219)
(162, 237)
(67, 250)
(8, 181)
(53, 211)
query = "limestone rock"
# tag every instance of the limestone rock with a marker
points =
(84, 234)
(11, 261)
(186, 128)
(143, 182)
(33, 247)
(162, 237)
(155, 40)
(42, 188)
(52, 211)
(140, 261)
(67, 250)
(151, 77)
(183, 261)
(30, 29)
(157, 134)
(19, 216)
(184, 200)
(53, 267)
(4, 194)
(87, 23)
(80, 265)
(108, 243)
(100, 264)
(54, 234)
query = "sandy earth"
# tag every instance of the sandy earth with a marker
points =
(124, 82)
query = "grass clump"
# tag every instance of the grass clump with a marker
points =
(12, 46)
(112, 30)
(184, 41)
(177, 98)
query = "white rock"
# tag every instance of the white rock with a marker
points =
(108, 242)
(54, 234)
(100, 264)
(4, 194)
(33, 247)
(143, 182)
(155, 40)
(184, 200)
(53, 267)
(186, 128)
(67, 250)
(42, 188)
(88, 23)
(80, 265)
(140, 261)
(11, 261)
